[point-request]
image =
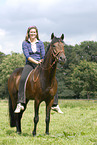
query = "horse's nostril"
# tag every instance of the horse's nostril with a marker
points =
(60, 58)
(65, 59)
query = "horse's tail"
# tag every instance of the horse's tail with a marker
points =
(11, 114)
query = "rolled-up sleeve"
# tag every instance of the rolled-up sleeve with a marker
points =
(25, 49)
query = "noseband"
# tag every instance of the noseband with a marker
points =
(55, 54)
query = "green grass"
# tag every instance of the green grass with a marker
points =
(77, 126)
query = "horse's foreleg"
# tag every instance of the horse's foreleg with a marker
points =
(48, 108)
(47, 120)
(36, 118)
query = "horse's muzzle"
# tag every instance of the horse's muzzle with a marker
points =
(62, 59)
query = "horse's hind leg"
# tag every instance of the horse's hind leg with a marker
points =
(18, 117)
(36, 118)
(18, 122)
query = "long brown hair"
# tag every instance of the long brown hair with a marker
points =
(27, 35)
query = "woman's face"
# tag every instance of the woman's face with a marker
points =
(32, 33)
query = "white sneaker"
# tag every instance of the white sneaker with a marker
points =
(57, 109)
(19, 108)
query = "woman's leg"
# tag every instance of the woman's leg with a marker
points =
(21, 93)
(55, 103)
(55, 106)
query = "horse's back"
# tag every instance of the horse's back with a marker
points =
(17, 71)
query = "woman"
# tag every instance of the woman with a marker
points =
(34, 52)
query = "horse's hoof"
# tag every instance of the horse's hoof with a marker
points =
(18, 132)
(34, 134)
(47, 133)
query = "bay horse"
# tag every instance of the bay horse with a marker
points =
(40, 86)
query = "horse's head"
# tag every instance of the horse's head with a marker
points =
(57, 46)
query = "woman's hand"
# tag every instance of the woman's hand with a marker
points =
(40, 61)
(34, 61)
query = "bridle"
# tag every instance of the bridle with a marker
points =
(54, 54)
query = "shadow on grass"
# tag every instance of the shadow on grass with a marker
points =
(12, 132)
(64, 134)
(9, 132)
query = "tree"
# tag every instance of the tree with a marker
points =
(46, 44)
(8, 65)
(87, 50)
(84, 79)
(69, 84)
(1, 56)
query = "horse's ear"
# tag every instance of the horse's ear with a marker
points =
(52, 36)
(62, 36)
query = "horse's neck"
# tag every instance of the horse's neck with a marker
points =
(49, 67)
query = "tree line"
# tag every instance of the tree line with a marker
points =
(77, 78)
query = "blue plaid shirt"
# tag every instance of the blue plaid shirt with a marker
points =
(27, 50)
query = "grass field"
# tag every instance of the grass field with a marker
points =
(77, 126)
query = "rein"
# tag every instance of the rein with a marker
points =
(35, 80)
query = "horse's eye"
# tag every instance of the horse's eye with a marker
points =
(54, 46)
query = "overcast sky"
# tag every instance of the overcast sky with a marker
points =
(76, 19)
